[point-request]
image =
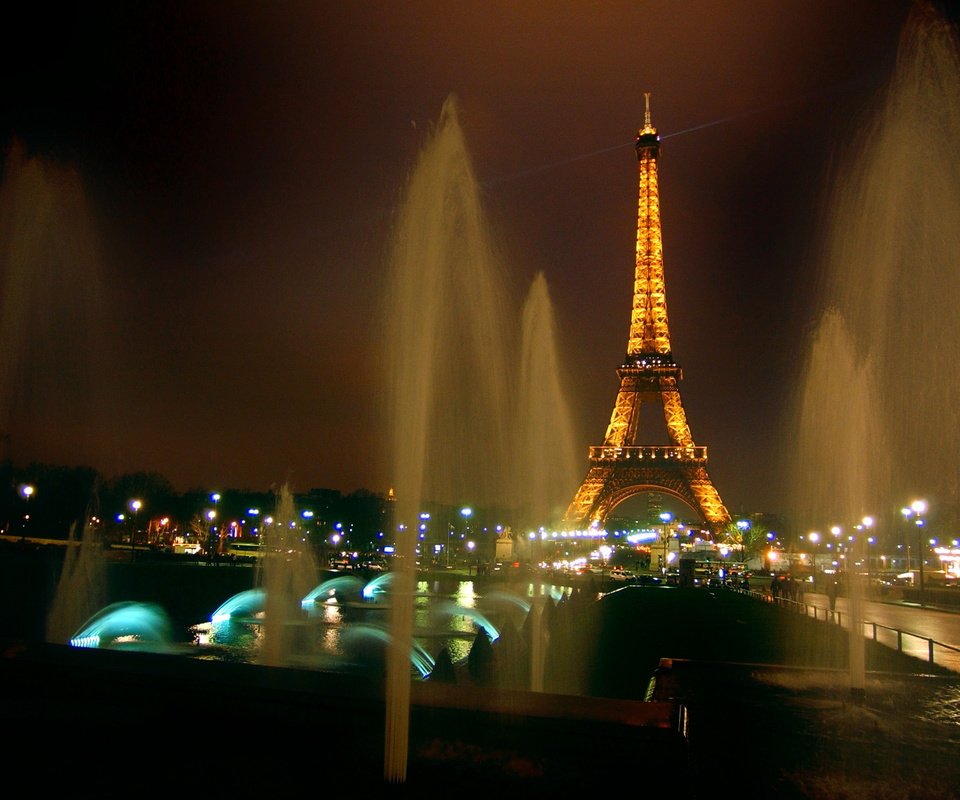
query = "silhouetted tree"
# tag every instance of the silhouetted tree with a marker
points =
(481, 663)
(443, 670)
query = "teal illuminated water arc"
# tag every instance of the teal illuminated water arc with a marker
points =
(377, 586)
(452, 609)
(373, 634)
(330, 588)
(252, 602)
(509, 598)
(245, 604)
(130, 621)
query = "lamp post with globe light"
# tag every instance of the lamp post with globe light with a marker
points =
(665, 518)
(213, 540)
(916, 511)
(907, 512)
(836, 531)
(27, 491)
(605, 551)
(466, 512)
(135, 506)
(814, 539)
(867, 523)
(865, 540)
(215, 499)
(471, 545)
(743, 525)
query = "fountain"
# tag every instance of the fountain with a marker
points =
(338, 587)
(127, 623)
(877, 416)
(449, 329)
(454, 418)
(81, 585)
(54, 332)
(246, 604)
(54, 349)
(338, 625)
(472, 417)
(287, 571)
(549, 467)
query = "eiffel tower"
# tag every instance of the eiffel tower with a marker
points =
(622, 467)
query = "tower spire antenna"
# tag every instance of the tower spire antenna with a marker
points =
(647, 126)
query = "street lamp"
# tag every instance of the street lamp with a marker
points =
(814, 538)
(917, 509)
(605, 551)
(211, 534)
(743, 525)
(135, 506)
(470, 548)
(866, 525)
(907, 512)
(836, 530)
(163, 532)
(665, 518)
(466, 512)
(863, 531)
(27, 491)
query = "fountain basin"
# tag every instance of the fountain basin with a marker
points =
(251, 726)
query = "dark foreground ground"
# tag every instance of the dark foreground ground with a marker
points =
(649, 691)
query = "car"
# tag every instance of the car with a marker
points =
(622, 575)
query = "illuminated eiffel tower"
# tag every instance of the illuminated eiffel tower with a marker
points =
(622, 467)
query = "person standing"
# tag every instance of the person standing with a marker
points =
(832, 593)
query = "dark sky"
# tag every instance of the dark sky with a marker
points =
(240, 163)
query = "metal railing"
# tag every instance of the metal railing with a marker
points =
(835, 616)
(668, 453)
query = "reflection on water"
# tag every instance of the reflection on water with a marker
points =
(342, 624)
(943, 705)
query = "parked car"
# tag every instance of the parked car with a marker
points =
(622, 575)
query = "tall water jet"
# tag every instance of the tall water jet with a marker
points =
(881, 392)
(287, 571)
(450, 375)
(841, 456)
(53, 355)
(81, 589)
(547, 463)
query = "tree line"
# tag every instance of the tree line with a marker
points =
(62, 499)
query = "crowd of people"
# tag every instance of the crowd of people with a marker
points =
(785, 586)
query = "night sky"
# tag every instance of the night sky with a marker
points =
(240, 163)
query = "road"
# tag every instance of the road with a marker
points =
(919, 626)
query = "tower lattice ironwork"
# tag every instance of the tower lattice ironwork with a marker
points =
(622, 466)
